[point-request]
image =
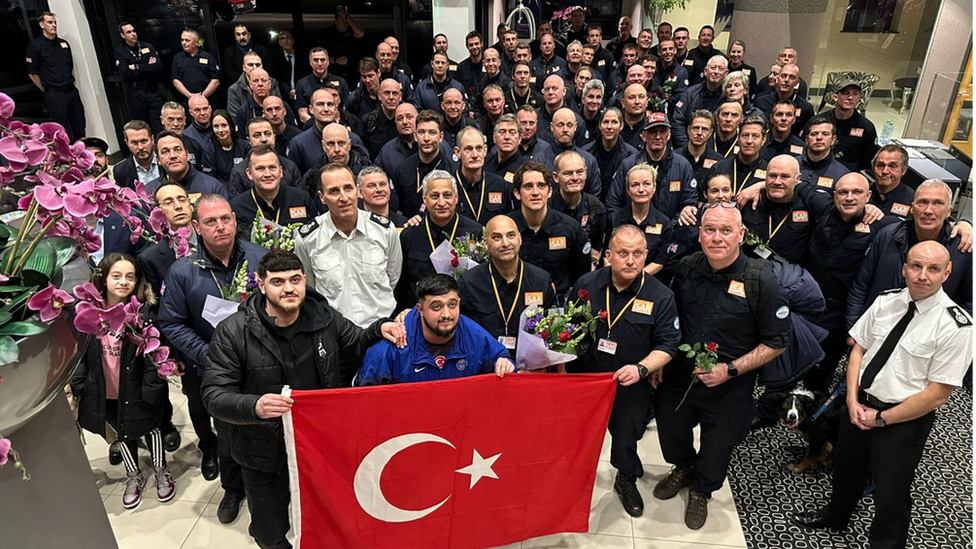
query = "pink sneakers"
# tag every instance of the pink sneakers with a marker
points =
(165, 487)
(132, 497)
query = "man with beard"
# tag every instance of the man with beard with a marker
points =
(495, 293)
(440, 222)
(817, 165)
(173, 158)
(352, 258)
(569, 173)
(856, 135)
(706, 94)
(297, 337)
(483, 194)
(469, 71)
(781, 138)
(141, 165)
(428, 94)
(380, 124)
(441, 343)
(234, 55)
(408, 176)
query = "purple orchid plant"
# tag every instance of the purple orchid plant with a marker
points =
(61, 202)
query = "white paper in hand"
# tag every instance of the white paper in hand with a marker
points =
(216, 309)
(531, 353)
(441, 258)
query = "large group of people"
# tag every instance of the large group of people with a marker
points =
(661, 181)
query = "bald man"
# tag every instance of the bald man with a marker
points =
(912, 348)
(516, 284)
(624, 36)
(554, 95)
(564, 129)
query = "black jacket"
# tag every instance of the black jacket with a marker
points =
(245, 362)
(141, 390)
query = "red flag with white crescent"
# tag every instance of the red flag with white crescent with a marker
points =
(472, 462)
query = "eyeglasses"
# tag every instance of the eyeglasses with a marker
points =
(720, 204)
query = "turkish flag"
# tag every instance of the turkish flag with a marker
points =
(472, 462)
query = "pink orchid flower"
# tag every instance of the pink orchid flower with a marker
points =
(137, 229)
(19, 155)
(81, 199)
(49, 302)
(149, 340)
(4, 451)
(88, 292)
(89, 319)
(6, 107)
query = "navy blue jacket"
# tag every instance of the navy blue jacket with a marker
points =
(428, 94)
(185, 290)
(195, 182)
(609, 160)
(306, 151)
(676, 184)
(823, 174)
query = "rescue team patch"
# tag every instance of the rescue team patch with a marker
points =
(737, 288)
(557, 243)
(801, 216)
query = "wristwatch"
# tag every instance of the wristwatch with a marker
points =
(878, 420)
(642, 370)
(733, 371)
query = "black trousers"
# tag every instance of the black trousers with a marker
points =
(628, 421)
(267, 500)
(145, 104)
(834, 347)
(890, 455)
(198, 413)
(230, 470)
(65, 107)
(724, 412)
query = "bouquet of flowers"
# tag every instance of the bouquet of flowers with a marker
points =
(706, 357)
(273, 236)
(244, 284)
(463, 253)
(557, 337)
(562, 21)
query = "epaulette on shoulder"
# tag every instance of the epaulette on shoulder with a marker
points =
(379, 219)
(891, 291)
(960, 316)
(307, 228)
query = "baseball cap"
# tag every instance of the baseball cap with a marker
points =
(847, 83)
(657, 119)
(95, 143)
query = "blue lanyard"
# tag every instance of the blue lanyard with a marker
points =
(830, 400)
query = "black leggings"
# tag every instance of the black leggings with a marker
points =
(130, 448)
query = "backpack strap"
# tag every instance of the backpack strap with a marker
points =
(752, 276)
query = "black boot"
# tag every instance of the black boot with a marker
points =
(626, 488)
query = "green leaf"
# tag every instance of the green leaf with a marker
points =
(42, 260)
(684, 347)
(5, 317)
(22, 328)
(64, 250)
(691, 354)
(15, 302)
(14, 288)
(9, 352)
(34, 278)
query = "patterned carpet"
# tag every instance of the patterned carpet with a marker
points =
(766, 492)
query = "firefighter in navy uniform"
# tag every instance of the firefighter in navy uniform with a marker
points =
(140, 66)
(912, 349)
(495, 293)
(50, 67)
(636, 335)
(739, 305)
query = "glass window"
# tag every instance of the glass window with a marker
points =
(18, 21)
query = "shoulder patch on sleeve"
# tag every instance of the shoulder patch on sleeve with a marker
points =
(959, 316)
(379, 219)
(307, 228)
(891, 291)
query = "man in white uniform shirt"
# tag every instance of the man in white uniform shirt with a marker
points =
(912, 348)
(351, 257)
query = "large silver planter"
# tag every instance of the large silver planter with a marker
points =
(46, 364)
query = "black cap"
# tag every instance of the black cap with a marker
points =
(95, 143)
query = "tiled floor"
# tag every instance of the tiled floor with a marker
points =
(190, 521)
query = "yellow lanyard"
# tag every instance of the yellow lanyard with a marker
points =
(418, 173)
(735, 178)
(610, 323)
(772, 232)
(498, 297)
(261, 211)
(732, 146)
(430, 237)
(481, 203)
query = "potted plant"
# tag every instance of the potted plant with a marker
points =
(47, 304)
(654, 10)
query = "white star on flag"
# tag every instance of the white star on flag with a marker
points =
(480, 467)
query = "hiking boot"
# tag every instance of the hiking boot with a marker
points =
(697, 510)
(134, 483)
(669, 487)
(626, 488)
(165, 486)
(230, 506)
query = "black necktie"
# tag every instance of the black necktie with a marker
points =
(887, 348)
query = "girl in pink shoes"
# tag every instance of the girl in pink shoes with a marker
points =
(121, 389)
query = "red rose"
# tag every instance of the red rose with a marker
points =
(267, 227)
(604, 315)
(544, 334)
(564, 337)
(455, 262)
(711, 347)
(584, 295)
(454, 252)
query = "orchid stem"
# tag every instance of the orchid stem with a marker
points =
(33, 245)
(31, 212)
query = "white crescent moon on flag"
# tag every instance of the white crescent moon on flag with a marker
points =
(366, 483)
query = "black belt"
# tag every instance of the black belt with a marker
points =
(868, 400)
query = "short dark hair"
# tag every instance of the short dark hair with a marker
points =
(712, 177)
(167, 133)
(436, 284)
(785, 102)
(531, 166)
(439, 53)
(702, 113)
(817, 120)
(261, 150)
(754, 120)
(277, 261)
(709, 27)
(257, 120)
(629, 46)
(125, 24)
(892, 148)
(472, 34)
(368, 64)
(317, 49)
(166, 183)
(428, 115)
(679, 29)
(136, 126)
(664, 23)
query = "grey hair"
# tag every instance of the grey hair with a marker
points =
(574, 43)
(719, 57)
(509, 118)
(438, 175)
(595, 83)
(643, 167)
(736, 75)
(939, 184)
(173, 105)
(557, 163)
(468, 129)
(370, 170)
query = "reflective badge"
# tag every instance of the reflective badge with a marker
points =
(532, 80)
(462, 364)
(507, 341)
(204, 61)
(759, 174)
(679, 104)
(899, 209)
(587, 247)
(827, 182)
(586, 217)
(607, 346)
(801, 216)
(782, 312)
(510, 177)
(796, 149)
(144, 50)
(653, 229)
(454, 157)
(862, 228)
(857, 132)
(643, 307)
(797, 112)
(675, 186)
(677, 323)
(533, 298)
(601, 63)
(737, 288)
(296, 213)
(747, 72)
(689, 63)
(557, 243)
(494, 198)
(452, 67)
(64, 45)
(708, 163)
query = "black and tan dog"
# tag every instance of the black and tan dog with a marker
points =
(797, 410)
